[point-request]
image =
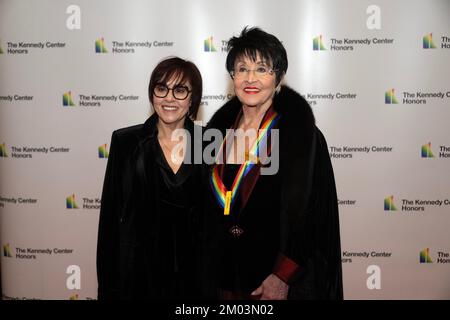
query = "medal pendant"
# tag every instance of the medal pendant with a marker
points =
(226, 209)
(235, 231)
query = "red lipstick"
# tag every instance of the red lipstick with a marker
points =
(251, 90)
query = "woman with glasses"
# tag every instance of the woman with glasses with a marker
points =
(272, 234)
(148, 235)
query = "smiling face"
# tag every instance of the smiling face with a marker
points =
(172, 111)
(253, 88)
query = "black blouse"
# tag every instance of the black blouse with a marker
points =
(176, 226)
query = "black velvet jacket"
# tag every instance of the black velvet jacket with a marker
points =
(309, 218)
(135, 227)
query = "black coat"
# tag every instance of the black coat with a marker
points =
(133, 220)
(309, 218)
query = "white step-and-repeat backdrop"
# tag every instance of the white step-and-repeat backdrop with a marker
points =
(376, 73)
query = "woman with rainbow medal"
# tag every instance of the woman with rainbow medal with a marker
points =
(271, 221)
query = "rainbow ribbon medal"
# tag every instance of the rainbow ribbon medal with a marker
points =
(226, 198)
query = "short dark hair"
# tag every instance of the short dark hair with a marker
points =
(253, 41)
(183, 71)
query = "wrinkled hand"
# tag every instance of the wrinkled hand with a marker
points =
(272, 288)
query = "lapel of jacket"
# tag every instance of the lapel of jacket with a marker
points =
(143, 159)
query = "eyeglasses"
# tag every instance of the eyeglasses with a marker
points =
(259, 72)
(179, 92)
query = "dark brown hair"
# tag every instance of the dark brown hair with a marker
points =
(182, 71)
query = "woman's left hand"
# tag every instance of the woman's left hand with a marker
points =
(273, 288)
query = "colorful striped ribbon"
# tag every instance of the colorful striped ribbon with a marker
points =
(226, 197)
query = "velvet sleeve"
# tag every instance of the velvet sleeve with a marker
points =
(310, 261)
(285, 268)
(316, 240)
(108, 229)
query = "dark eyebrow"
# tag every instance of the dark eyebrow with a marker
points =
(263, 62)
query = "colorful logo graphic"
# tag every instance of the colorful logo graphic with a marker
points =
(7, 251)
(426, 151)
(389, 97)
(70, 202)
(318, 43)
(389, 204)
(428, 42)
(67, 99)
(74, 297)
(425, 256)
(102, 151)
(208, 45)
(100, 46)
(3, 151)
